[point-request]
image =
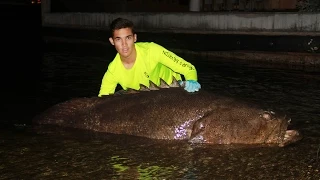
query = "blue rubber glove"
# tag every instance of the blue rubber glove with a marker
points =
(190, 85)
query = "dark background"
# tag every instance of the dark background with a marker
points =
(21, 50)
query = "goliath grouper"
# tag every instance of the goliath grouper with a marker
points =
(174, 114)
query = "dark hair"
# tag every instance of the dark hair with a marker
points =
(120, 23)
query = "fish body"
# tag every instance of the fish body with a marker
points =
(174, 114)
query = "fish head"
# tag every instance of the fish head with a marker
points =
(244, 125)
(277, 129)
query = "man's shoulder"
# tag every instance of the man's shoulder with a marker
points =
(114, 63)
(147, 45)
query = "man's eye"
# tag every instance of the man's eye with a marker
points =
(129, 37)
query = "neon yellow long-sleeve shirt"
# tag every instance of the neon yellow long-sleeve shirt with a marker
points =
(152, 63)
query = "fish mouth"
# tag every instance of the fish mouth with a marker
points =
(290, 136)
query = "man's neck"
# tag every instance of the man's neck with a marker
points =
(129, 61)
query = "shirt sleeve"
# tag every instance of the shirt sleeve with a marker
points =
(174, 62)
(108, 84)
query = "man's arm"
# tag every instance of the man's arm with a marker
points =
(108, 84)
(175, 62)
(178, 65)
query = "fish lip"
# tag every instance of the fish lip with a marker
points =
(290, 136)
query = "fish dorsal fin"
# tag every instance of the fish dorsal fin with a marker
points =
(174, 83)
(128, 91)
(163, 84)
(144, 88)
(153, 86)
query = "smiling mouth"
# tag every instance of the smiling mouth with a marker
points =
(125, 50)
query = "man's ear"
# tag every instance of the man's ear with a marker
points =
(111, 41)
(135, 37)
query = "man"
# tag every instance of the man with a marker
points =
(142, 62)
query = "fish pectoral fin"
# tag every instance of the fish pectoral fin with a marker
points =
(197, 129)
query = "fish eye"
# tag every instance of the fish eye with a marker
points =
(267, 115)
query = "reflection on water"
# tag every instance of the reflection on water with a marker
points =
(73, 71)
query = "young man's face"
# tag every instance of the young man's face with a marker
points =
(123, 40)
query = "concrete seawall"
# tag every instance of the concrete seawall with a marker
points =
(260, 23)
(231, 22)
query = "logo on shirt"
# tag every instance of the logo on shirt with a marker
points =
(146, 75)
(177, 61)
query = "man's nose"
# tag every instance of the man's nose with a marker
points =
(123, 42)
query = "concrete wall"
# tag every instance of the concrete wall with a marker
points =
(269, 23)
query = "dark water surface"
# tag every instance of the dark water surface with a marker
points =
(75, 70)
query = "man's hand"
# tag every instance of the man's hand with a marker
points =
(190, 85)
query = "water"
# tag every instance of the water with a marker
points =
(75, 70)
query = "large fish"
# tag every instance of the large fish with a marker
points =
(174, 114)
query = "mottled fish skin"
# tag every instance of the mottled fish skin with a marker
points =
(174, 114)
